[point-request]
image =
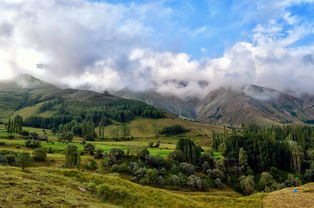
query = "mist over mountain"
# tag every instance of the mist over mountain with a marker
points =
(234, 106)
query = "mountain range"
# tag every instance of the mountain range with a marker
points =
(234, 106)
(223, 106)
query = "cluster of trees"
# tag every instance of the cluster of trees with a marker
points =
(97, 110)
(22, 159)
(254, 159)
(269, 153)
(181, 170)
(15, 125)
(173, 130)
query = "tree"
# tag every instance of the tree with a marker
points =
(40, 154)
(72, 157)
(24, 160)
(32, 143)
(90, 148)
(243, 158)
(247, 184)
(65, 137)
(18, 124)
(191, 151)
(266, 180)
(99, 153)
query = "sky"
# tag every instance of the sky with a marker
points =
(186, 48)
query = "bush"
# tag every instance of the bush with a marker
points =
(142, 153)
(177, 155)
(90, 164)
(72, 157)
(215, 173)
(107, 193)
(40, 154)
(187, 168)
(195, 182)
(266, 180)
(99, 153)
(309, 175)
(10, 137)
(3, 160)
(65, 137)
(247, 184)
(115, 155)
(155, 161)
(89, 148)
(122, 168)
(218, 183)
(32, 143)
(292, 181)
(11, 158)
(23, 160)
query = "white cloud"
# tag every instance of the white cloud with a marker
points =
(105, 46)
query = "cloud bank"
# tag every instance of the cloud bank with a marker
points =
(100, 46)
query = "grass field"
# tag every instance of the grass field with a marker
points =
(49, 187)
(286, 198)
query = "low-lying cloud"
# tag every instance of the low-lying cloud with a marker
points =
(104, 46)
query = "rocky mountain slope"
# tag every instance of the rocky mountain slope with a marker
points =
(248, 104)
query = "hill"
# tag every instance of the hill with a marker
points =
(72, 188)
(25, 92)
(247, 104)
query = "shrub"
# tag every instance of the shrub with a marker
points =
(142, 153)
(24, 133)
(215, 173)
(116, 154)
(90, 164)
(247, 184)
(195, 182)
(174, 180)
(108, 193)
(32, 143)
(72, 157)
(187, 168)
(40, 154)
(23, 160)
(99, 153)
(177, 155)
(155, 161)
(3, 160)
(65, 137)
(292, 181)
(266, 180)
(10, 137)
(11, 158)
(89, 148)
(309, 175)
(218, 183)
(122, 168)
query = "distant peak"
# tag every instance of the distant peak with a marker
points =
(29, 81)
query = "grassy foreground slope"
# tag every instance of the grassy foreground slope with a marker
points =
(286, 198)
(48, 187)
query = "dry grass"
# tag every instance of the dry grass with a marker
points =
(304, 198)
(50, 187)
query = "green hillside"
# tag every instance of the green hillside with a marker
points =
(48, 187)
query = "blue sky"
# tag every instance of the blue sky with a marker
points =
(206, 28)
(149, 44)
